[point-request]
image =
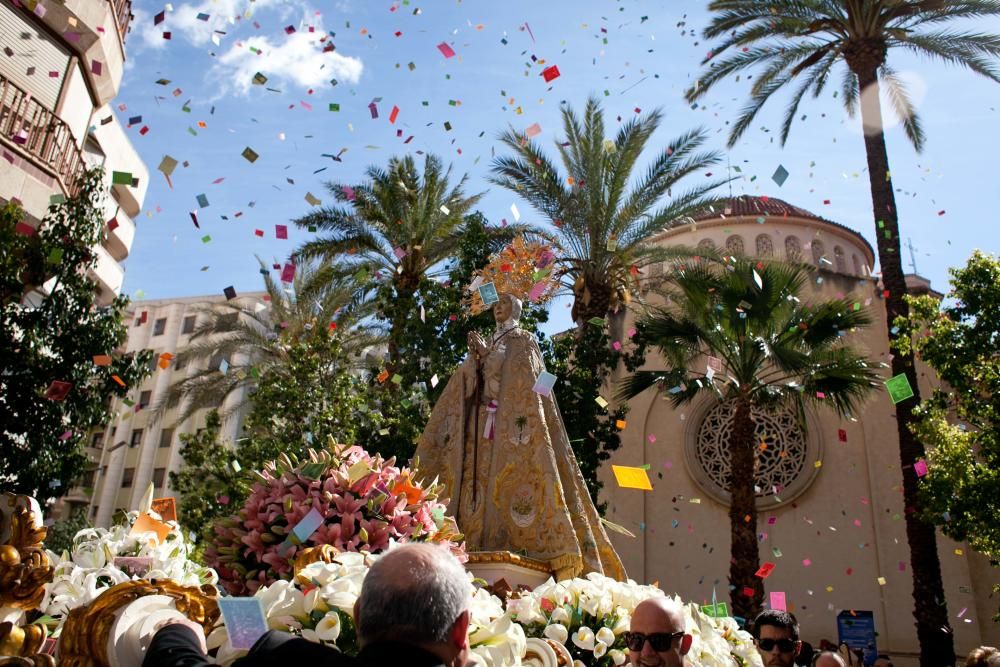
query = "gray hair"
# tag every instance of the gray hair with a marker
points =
(414, 593)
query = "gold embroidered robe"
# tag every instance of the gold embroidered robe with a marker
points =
(530, 496)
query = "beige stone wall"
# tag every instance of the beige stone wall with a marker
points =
(848, 522)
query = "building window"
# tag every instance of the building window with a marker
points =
(793, 249)
(765, 248)
(838, 257)
(707, 244)
(166, 437)
(819, 253)
(136, 438)
(97, 440)
(159, 475)
(159, 326)
(144, 398)
(189, 324)
(857, 266)
(128, 475)
(734, 244)
(89, 478)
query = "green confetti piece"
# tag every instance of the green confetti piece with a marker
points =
(207, 238)
(121, 177)
(899, 388)
(334, 107)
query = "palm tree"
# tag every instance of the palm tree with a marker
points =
(399, 224)
(253, 340)
(801, 41)
(775, 352)
(601, 223)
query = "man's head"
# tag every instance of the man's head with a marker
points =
(656, 636)
(883, 660)
(416, 594)
(776, 634)
(828, 659)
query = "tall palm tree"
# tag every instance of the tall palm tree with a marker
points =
(399, 224)
(775, 352)
(801, 41)
(602, 211)
(322, 297)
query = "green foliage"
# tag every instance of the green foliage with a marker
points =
(798, 44)
(208, 486)
(582, 364)
(601, 225)
(53, 337)
(960, 422)
(309, 400)
(59, 537)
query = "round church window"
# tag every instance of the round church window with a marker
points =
(783, 451)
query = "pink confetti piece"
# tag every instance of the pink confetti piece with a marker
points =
(446, 50)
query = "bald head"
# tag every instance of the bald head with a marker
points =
(414, 593)
(829, 659)
(655, 618)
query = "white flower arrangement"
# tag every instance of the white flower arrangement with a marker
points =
(81, 575)
(589, 616)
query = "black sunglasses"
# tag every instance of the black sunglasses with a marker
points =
(660, 641)
(784, 645)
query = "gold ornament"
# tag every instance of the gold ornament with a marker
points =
(324, 552)
(24, 565)
(21, 646)
(524, 269)
(84, 639)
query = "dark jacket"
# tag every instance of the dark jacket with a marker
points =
(385, 653)
(177, 646)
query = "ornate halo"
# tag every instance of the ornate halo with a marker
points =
(523, 269)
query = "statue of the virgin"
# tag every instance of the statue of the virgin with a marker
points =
(497, 442)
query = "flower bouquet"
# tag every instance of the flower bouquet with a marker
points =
(318, 604)
(102, 558)
(362, 502)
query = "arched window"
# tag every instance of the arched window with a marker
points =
(818, 251)
(765, 247)
(857, 266)
(707, 244)
(838, 257)
(734, 244)
(793, 249)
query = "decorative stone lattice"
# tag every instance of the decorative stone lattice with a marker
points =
(779, 463)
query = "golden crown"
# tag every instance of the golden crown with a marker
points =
(523, 269)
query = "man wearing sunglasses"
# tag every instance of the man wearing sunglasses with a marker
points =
(656, 636)
(776, 634)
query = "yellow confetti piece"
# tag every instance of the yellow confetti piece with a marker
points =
(818, 464)
(629, 477)
(695, 501)
(601, 402)
(829, 589)
(881, 581)
(959, 552)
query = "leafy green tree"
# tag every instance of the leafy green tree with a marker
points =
(400, 224)
(960, 422)
(600, 223)
(255, 340)
(771, 351)
(309, 400)
(52, 392)
(799, 43)
(209, 485)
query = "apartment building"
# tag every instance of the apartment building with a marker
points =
(140, 446)
(61, 65)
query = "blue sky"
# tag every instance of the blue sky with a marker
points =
(633, 54)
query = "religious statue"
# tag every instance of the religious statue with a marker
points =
(496, 438)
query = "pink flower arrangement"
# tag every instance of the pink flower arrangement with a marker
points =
(366, 503)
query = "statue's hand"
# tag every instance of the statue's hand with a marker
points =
(476, 344)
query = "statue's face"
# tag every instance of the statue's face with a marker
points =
(503, 309)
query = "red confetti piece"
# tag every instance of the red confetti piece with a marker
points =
(550, 73)
(446, 50)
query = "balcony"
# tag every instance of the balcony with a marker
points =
(123, 15)
(109, 275)
(39, 136)
(119, 240)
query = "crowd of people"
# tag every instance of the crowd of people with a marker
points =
(414, 610)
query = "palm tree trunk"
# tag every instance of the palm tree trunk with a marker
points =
(937, 645)
(744, 555)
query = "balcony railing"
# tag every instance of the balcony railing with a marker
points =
(123, 14)
(40, 135)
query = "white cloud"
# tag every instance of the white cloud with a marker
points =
(183, 23)
(298, 58)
